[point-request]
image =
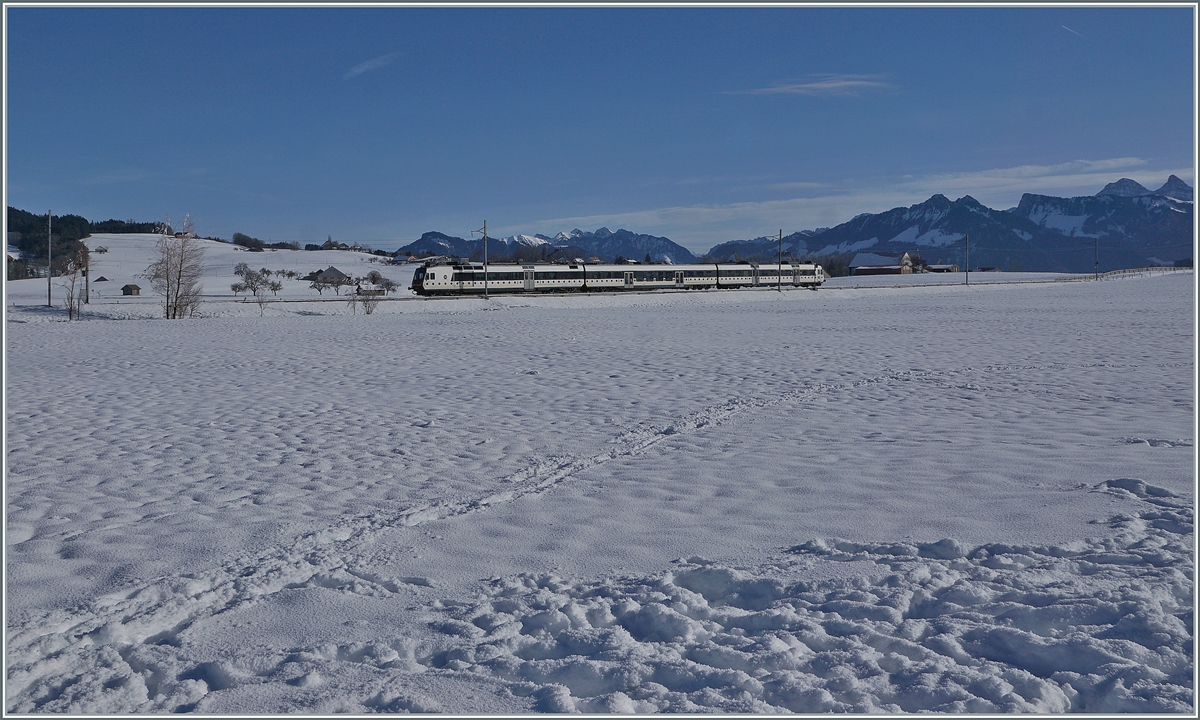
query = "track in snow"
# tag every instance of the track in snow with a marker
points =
(51, 654)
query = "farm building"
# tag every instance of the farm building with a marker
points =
(330, 274)
(131, 290)
(871, 264)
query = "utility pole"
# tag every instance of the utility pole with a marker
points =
(779, 268)
(968, 258)
(1097, 275)
(485, 258)
(49, 257)
(87, 277)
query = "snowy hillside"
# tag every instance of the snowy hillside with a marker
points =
(958, 499)
(127, 257)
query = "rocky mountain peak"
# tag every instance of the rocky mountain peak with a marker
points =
(1175, 188)
(1124, 188)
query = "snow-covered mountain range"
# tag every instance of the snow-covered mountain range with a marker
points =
(1126, 224)
(603, 244)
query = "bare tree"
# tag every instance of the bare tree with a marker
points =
(369, 302)
(352, 301)
(177, 269)
(252, 280)
(260, 297)
(73, 282)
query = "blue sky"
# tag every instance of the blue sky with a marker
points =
(700, 124)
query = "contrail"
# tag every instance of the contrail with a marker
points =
(1064, 27)
(369, 65)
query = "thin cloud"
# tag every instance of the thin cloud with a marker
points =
(1073, 167)
(1064, 27)
(722, 179)
(118, 177)
(824, 85)
(368, 66)
(797, 186)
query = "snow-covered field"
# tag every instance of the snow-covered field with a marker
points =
(893, 499)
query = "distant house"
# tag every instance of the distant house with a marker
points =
(331, 274)
(370, 291)
(131, 290)
(871, 264)
(102, 279)
(941, 268)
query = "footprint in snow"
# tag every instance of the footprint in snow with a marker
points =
(1157, 442)
(1135, 488)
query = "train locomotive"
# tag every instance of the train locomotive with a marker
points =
(442, 276)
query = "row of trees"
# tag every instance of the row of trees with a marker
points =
(68, 231)
(256, 245)
(255, 282)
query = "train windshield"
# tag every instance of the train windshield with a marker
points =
(419, 275)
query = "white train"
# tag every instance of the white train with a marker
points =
(454, 277)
